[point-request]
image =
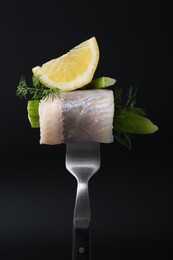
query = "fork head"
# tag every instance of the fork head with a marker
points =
(83, 159)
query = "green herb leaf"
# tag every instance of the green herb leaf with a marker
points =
(37, 91)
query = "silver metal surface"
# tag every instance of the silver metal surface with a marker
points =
(82, 160)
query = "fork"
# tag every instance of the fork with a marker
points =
(82, 161)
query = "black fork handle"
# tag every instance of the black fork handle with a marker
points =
(81, 243)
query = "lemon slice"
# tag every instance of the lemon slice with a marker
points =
(72, 70)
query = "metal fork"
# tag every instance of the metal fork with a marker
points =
(82, 161)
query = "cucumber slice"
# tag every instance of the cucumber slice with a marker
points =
(132, 123)
(102, 82)
(33, 115)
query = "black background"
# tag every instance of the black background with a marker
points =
(131, 196)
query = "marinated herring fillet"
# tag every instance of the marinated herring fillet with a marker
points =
(77, 116)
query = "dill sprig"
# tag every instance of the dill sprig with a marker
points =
(37, 91)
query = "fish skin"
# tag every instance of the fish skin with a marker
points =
(81, 116)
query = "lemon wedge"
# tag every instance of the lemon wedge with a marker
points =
(72, 70)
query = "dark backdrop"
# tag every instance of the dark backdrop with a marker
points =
(131, 196)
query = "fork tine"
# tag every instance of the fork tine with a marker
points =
(82, 154)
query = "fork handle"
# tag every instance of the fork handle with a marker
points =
(81, 243)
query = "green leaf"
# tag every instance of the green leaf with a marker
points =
(37, 91)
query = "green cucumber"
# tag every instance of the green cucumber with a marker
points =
(33, 115)
(102, 82)
(129, 122)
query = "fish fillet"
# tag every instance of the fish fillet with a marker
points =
(77, 116)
